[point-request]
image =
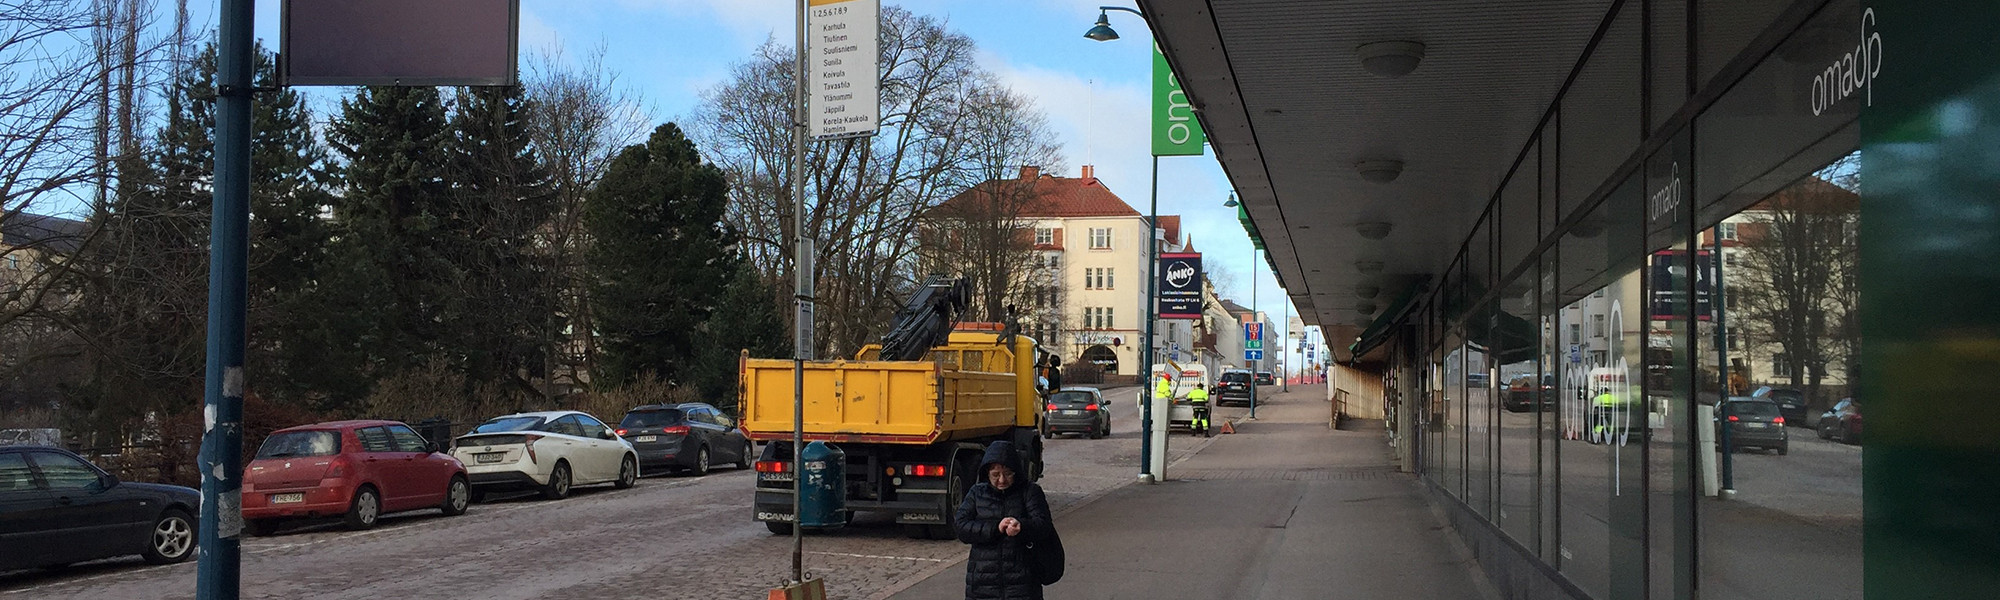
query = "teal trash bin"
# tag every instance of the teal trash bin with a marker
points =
(823, 499)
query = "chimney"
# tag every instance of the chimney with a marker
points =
(1030, 172)
(1089, 172)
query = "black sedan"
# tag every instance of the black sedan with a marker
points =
(56, 508)
(1232, 387)
(1265, 378)
(1752, 423)
(688, 437)
(1077, 410)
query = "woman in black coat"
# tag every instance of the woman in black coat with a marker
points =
(999, 517)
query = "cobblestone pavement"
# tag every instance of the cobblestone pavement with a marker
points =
(669, 537)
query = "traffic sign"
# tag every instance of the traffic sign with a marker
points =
(1253, 335)
(1253, 355)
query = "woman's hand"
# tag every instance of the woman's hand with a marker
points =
(1010, 526)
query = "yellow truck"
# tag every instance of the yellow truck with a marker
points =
(912, 429)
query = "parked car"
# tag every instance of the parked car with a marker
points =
(1077, 410)
(548, 452)
(1264, 378)
(1791, 403)
(1751, 423)
(56, 508)
(1524, 395)
(691, 437)
(354, 470)
(1232, 387)
(1843, 421)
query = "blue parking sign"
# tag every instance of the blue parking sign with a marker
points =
(1253, 355)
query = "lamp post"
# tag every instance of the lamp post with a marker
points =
(1232, 203)
(1102, 32)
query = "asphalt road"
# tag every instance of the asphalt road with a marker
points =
(668, 537)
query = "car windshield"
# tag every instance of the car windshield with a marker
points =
(1072, 397)
(651, 418)
(300, 443)
(1753, 409)
(508, 424)
(1237, 377)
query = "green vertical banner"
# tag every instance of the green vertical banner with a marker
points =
(1929, 284)
(1175, 130)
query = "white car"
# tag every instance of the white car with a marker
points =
(550, 452)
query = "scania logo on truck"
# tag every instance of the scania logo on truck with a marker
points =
(1180, 273)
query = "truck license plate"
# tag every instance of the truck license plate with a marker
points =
(645, 438)
(288, 498)
(489, 457)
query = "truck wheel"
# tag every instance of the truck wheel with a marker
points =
(778, 528)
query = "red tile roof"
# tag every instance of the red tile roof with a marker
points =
(1061, 197)
(1171, 223)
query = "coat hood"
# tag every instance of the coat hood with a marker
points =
(1001, 452)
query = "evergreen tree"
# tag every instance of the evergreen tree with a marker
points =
(744, 320)
(502, 193)
(388, 305)
(660, 257)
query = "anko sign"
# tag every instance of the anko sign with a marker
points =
(1180, 285)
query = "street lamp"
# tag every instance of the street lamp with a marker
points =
(1102, 31)
(1232, 203)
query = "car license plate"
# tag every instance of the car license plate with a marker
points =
(489, 457)
(646, 438)
(1759, 425)
(288, 498)
(1072, 412)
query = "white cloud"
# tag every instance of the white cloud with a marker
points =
(749, 20)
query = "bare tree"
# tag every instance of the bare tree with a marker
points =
(984, 233)
(581, 118)
(863, 196)
(1794, 282)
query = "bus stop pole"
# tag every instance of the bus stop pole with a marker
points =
(218, 574)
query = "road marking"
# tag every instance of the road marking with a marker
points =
(881, 557)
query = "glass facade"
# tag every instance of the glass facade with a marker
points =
(1651, 409)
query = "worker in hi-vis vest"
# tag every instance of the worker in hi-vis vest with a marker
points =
(1603, 407)
(1164, 388)
(1199, 398)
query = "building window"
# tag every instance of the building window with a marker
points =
(1597, 326)
(1598, 294)
(1100, 238)
(1735, 339)
(1728, 230)
(1045, 236)
(1097, 317)
(1781, 365)
(1097, 278)
(1575, 333)
(1054, 261)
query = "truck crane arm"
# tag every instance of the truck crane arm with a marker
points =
(927, 319)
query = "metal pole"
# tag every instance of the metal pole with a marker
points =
(802, 293)
(218, 575)
(1260, 330)
(1146, 352)
(1285, 365)
(1722, 363)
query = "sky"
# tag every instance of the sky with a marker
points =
(1094, 93)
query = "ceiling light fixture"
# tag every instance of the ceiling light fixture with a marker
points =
(1373, 230)
(1366, 308)
(1390, 59)
(1367, 291)
(1368, 267)
(1379, 170)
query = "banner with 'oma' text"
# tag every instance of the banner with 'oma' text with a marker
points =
(1175, 130)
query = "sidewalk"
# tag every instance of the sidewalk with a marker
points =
(1282, 509)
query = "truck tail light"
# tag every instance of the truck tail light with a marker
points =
(773, 466)
(925, 470)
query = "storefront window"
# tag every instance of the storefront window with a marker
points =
(1516, 347)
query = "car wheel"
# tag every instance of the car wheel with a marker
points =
(457, 496)
(172, 538)
(743, 460)
(558, 486)
(628, 473)
(1785, 449)
(1847, 436)
(1095, 432)
(1047, 434)
(701, 461)
(1824, 431)
(263, 527)
(366, 508)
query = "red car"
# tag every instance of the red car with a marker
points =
(354, 470)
